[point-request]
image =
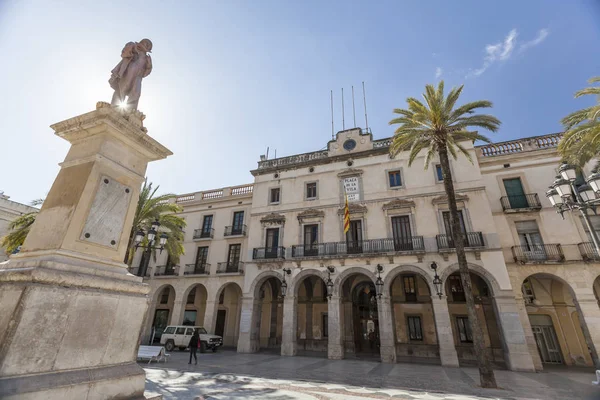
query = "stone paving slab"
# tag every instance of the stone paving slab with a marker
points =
(229, 375)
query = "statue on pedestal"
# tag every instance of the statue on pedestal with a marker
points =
(126, 77)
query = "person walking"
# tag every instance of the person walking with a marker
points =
(194, 343)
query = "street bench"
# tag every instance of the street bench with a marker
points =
(597, 381)
(151, 353)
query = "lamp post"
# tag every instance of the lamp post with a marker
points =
(379, 281)
(564, 195)
(437, 281)
(284, 285)
(329, 283)
(148, 247)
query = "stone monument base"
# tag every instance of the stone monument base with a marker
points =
(69, 330)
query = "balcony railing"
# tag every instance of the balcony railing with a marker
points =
(538, 252)
(165, 270)
(235, 230)
(520, 202)
(207, 233)
(372, 246)
(197, 269)
(263, 253)
(588, 251)
(471, 239)
(230, 267)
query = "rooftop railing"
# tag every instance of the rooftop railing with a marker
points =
(519, 145)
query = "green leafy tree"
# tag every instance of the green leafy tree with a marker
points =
(438, 127)
(581, 141)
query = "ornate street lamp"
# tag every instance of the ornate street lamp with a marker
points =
(329, 283)
(284, 285)
(148, 247)
(564, 195)
(379, 281)
(437, 281)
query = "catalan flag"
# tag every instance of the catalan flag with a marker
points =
(346, 216)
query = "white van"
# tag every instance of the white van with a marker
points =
(180, 335)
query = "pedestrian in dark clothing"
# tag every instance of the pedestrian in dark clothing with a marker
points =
(194, 343)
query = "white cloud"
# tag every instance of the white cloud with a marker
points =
(541, 36)
(502, 51)
(438, 72)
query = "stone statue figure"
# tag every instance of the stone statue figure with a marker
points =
(126, 77)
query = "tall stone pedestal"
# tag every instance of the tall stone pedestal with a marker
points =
(70, 313)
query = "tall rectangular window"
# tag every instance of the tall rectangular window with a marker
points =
(395, 179)
(515, 193)
(410, 289)
(401, 233)
(448, 222)
(354, 237)
(272, 243)
(529, 236)
(238, 222)
(439, 174)
(274, 195)
(233, 256)
(311, 239)
(311, 190)
(415, 332)
(207, 224)
(595, 220)
(201, 256)
(464, 330)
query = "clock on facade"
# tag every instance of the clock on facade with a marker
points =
(349, 144)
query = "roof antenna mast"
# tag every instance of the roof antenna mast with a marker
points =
(332, 116)
(343, 116)
(353, 109)
(365, 103)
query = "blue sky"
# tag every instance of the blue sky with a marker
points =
(233, 77)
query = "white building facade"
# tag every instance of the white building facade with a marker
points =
(535, 290)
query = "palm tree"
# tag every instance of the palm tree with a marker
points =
(19, 229)
(438, 127)
(150, 208)
(581, 141)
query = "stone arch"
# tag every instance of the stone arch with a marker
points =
(341, 278)
(299, 278)
(160, 290)
(223, 286)
(189, 287)
(260, 279)
(401, 269)
(484, 274)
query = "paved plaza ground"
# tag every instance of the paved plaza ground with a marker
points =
(229, 375)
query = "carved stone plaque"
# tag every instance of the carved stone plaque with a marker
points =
(105, 221)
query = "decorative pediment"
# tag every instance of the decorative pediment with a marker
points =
(350, 172)
(398, 203)
(444, 199)
(310, 213)
(354, 208)
(273, 219)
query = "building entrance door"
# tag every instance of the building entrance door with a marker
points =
(545, 338)
(365, 320)
(220, 327)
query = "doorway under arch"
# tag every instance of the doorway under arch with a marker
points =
(162, 313)
(312, 316)
(414, 322)
(461, 328)
(195, 305)
(270, 315)
(361, 317)
(555, 321)
(227, 324)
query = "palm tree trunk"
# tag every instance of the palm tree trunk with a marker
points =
(486, 373)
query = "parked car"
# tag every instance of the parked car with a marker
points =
(180, 335)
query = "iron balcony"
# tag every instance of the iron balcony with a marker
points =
(267, 253)
(371, 246)
(204, 233)
(523, 202)
(230, 267)
(588, 251)
(471, 239)
(235, 230)
(538, 253)
(197, 269)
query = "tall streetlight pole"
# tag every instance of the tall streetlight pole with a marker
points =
(564, 195)
(148, 247)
